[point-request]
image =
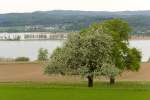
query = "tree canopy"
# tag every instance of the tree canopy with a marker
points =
(123, 56)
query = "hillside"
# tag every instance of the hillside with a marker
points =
(67, 20)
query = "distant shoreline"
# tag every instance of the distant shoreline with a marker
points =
(139, 37)
(130, 38)
(35, 40)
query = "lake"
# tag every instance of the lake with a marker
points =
(12, 49)
(143, 46)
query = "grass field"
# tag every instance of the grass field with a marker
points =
(101, 91)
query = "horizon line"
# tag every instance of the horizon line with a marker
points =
(18, 12)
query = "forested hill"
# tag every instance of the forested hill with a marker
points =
(67, 20)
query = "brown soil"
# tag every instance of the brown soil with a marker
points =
(142, 75)
(26, 72)
(23, 72)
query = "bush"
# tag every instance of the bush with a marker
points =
(42, 54)
(22, 59)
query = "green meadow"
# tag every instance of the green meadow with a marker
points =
(64, 91)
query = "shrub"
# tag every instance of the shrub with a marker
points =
(22, 59)
(42, 54)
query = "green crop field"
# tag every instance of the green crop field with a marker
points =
(101, 91)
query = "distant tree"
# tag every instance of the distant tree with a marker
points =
(83, 53)
(22, 59)
(42, 54)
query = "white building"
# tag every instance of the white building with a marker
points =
(32, 36)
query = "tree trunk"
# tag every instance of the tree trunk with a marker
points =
(90, 81)
(112, 80)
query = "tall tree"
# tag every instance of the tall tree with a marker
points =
(123, 56)
(82, 54)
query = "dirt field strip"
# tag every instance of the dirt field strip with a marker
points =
(22, 72)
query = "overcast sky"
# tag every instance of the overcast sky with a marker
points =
(9, 6)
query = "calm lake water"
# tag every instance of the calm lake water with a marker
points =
(12, 49)
(143, 46)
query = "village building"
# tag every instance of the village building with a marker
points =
(32, 36)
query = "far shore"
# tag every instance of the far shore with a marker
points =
(140, 37)
(133, 37)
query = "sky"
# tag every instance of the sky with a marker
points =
(11, 6)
